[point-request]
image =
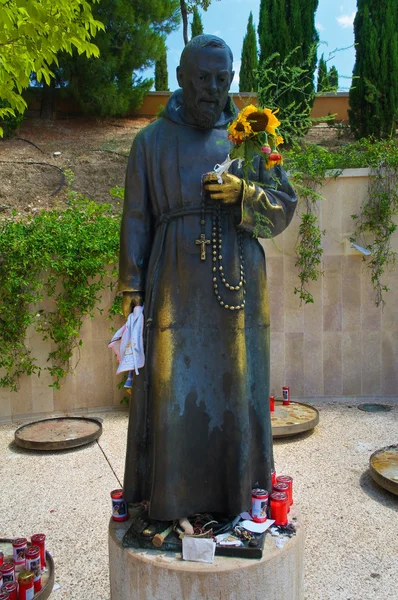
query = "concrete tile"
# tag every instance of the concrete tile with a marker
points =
(330, 219)
(313, 364)
(332, 363)
(371, 363)
(276, 293)
(21, 401)
(294, 312)
(352, 364)
(277, 379)
(313, 311)
(332, 294)
(351, 293)
(371, 314)
(5, 404)
(389, 362)
(389, 316)
(294, 366)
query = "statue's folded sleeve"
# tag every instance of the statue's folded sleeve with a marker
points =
(268, 204)
(137, 228)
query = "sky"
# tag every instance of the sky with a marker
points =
(228, 20)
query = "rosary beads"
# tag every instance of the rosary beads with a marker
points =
(218, 268)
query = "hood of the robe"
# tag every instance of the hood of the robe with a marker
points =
(173, 111)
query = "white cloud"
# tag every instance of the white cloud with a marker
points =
(319, 27)
(346, 21)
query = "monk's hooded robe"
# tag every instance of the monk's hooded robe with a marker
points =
(199, 435)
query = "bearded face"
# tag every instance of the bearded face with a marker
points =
(205, 80)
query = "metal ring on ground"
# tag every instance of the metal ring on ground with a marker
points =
(59, 433)
(295, 418)
(383, 466)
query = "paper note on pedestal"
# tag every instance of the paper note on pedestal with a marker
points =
(257, 527)
(198, 549)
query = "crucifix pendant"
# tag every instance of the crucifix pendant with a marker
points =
(202, 242)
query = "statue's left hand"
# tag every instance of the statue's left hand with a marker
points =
(228, 192)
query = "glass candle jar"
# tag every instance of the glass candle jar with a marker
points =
(26, 585)
(278, 503)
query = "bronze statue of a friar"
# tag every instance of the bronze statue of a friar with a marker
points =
(199, 433)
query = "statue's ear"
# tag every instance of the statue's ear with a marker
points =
(232, 77)
(179, 76)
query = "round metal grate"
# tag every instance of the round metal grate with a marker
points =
(374, 407)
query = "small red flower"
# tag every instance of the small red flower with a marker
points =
(266, 149)
(275, 156)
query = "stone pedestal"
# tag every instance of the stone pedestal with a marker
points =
(155, 575)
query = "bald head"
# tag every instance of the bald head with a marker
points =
(204, 41)
(205, 76)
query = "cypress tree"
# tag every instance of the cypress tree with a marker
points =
(374, 91)
(161, 74)
(333, 77)
(196, 25)
(323, 80)
(273, 30)
(284, 27)
(249, 59)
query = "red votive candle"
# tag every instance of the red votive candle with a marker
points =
(18, 550)
(273, 477)
(4, 596)
(289, 481)
(272, 403)
(26, 585)
(278, 503)
(282, 487)
(285, 395)
(119, 506)
(1, 558)
(8, 572)
(259, 505)
(32, 556)
(39, 539)
(11, 588)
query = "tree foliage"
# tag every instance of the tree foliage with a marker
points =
(333, 77)
(31, 34)
(323, 80)
(133, 40)
(249, 59)
(187, 7)
(161, 73)
(285, 27)
(374, 91)
(277, 80)
(196, 24)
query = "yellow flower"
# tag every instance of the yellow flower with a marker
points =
(273, 122)
(279, 140)
(260, 119)
(239, 130)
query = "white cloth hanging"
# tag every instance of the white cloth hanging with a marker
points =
(128, 343)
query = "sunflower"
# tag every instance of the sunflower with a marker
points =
(239, 130)
(260, 119)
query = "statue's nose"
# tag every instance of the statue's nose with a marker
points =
(213, 83)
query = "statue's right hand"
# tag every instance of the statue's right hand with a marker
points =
(130, 300)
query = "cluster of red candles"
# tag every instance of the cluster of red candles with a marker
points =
(280, 500)
(20, 575)
(285, 398)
